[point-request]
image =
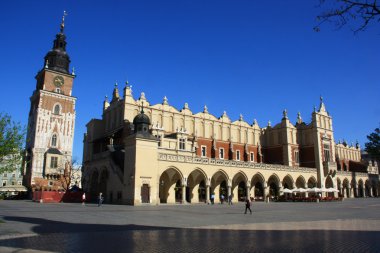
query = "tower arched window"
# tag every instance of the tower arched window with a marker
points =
(57, 109)
(54, 140)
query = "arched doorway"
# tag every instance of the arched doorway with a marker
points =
(288, 182)
(170, 186)
(257, 183)
(219, 185)
(202, 191)
(242, 191)
(196, 187)
(239, 187)
(273, 183)
(312, 182)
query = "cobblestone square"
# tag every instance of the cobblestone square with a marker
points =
(349, 226)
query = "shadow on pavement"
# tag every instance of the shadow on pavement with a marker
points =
(70, 237)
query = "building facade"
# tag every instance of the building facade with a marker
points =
(51, 119)
(141, 153)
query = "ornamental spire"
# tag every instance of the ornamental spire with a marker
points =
(57, 57)
(63, 21)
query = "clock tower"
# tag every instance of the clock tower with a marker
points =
(51, 119)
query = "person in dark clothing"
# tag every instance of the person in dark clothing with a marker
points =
(247, 205)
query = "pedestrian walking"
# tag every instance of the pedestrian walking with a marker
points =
(230, 199)
(221, 199)
(100, 199)
(83, 199)
(247, 205)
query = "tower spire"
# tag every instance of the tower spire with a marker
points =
(63, 21)
(57, 57)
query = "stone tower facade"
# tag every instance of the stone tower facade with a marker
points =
(51, 119)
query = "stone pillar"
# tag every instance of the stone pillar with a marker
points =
(352, 189)
(183, 194)
(228, 192)
(207, 194)
(266, 193)
(248, 192)
(253, 192)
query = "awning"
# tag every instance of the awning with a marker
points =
(13, 188)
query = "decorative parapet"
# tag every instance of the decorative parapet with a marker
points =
(351, 173)
(231, 163)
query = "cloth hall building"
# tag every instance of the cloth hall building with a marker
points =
(142, 153)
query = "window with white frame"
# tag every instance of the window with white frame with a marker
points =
(203, 151)
(54, 140)
(221, 153)
(54, 162)
(238, 155)
(297, 156)
(252, 156)
(57, 109)
(182, 144)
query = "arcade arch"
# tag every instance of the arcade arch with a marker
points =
(171, 190)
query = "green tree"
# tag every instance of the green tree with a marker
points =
(358, 13)
(11, 144)
(373, 146)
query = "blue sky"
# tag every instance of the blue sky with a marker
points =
(250, 57)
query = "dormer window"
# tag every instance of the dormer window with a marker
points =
(182, 144)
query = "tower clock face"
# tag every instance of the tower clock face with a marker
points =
(58, 81)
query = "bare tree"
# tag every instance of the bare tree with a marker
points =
(70, 176)
(359, 13)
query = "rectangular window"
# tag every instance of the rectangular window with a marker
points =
(326, 152)
(252, 156)
(182, 144)
(221, 153)
(54, 162)
(238, 155)
(19, 183)
(13, 183)
(203, 149)
(13, 175)
(5, 175)
(297, 156)
(4, 183)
